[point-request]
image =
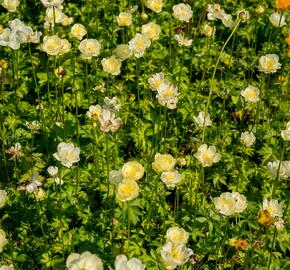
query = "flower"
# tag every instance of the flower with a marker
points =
(260, 9)
(282, 4)
(127, 190)
(177, 236)
(265, 218)
(84, 261)
(227, 20)
(182, 12)
(138, 44)
(277, 19)
(3, 198)
(112, 65)
(208, 30)
(269, 63)
(183, 40)
(283, 166)
(285, 134)
(3, 240)
(174, 256)
(54, 15)
(109, 122)
(7, 267)
(154, 5)
(78, 31)
(163, 162)
(52, 170)
(279, 224)
(243, 15)
(214, 12)
(51, 3)
(288, 40)
(167, 95)
(132, 170)
(115, 177)
(207, 155)
(124, 19)
(67, 21)
(66, 46)
(273, 207)
(89, 48)
(10, 5)
(112, 104)
(14, 151)
(123, 52)
(67, 154)
(247, 138)
(122, 263)
(151, 30)
(230, 203)
(52, 45)
(156, 80)
(171, 179)
(239, 244)
(201, 120)
(94, 112)
(251, 94)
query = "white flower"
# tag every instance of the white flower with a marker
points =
(154, 5)
(208, 30)
(84, 261)
(52, 45)
(51, 3)
(285, 134)
(279, 224)
(67, 154)
(94, 112)
(112, 104)
(33, 183)
(269, 63)
(167, 95)
(227, 20)
(251, 94)
(8, 39)
(207, 155)
(133, 170)
(10, 5)
(171, 179)
(7, 267)
(122, 263)
(183, 40)
(156, 80)
(52, 170)
(273, 207)
(151, 30)
(163, 162)
(214, 12)
(284, 168)
(54, 15)
(3, 240)
(201, 120)
(182, 12)
(112, 65)
(177, 236)
(124, 19)
(58, 181)
(89, 48)
(277, 19)
(138, 44)
(127, 190)
(247, 138)
(174, 256)
(3, 198)
(230, 203)
(109, 122)
(123, 52)
(78, 31)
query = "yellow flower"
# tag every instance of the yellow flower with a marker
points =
(52, 45)
(78, 31)
(182, 12)
(132, 170)
(127, 190)
(177, 236)
(112, 65)
(124, 19)
(123, 51)
(3, 239)
(251, 94)
(155, 5)
(151, 30)
(11, 5)
(207, 155)
(163, 163)
(89, 48)
(265, 218)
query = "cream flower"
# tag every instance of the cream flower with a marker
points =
(285, 134)
(52, 45)
(89, 48)
(182, 12)
(251, 94)
(78, 31)
(230, 203)
(201, 120)
(174, 256)
(247, 138)
(227, 20)
(51, 3)
(132, 170)
(171, 179)
(52, 170)
(207, 155)
(167, 95)
(215, 12)
(127, 190)
(123, 52)
(273, 207)
(283, 166)
(3, 240)
(151, 30)
(67, 154)
(124, 19)
(10, 5)
(208, 30)
(3, 198)
(7, 267)
(66, 46)
(139, 44)
(177, 236)
(112, 65)
(182, 40)
(67, 21)
(277, 19)
(84, 261)
(155, 5)
(109, 122)
(122, 263)
(115, 177)
(54, 15)
(163, 163)
(94, 112)
(156, 80)
(269, 63)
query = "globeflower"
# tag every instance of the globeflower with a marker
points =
(10, 5)
(247, 138)
(155, 5)
(86, 260)
(171, 179)
(3, 240)
(78, 31)
(285, 134)
(138, 44)
(123, 52)
(124, 19)
(277, 19)
(52, 45)
(127, 190)
(207, 155)
(156, 80)
(167, 95)
(201, 120)
(214, 11)
(151, 30)
(122, 263)
(67, 154)
(273, 207)
(269, 63)
(182, 12)
(133, 170)
(251, 94)
(3, 198)
(177, 236)
(163, 162)
(182, 40)
(89, 48)
(51, 3)
(112, 65)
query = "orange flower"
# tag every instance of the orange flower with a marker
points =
(265, 218)
(282, 4)
(288, 40)
(241, 244)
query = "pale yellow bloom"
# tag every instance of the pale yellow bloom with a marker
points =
(273, 207)
(251, 94)
(127, 190)
(78, 31)
(52, 45)
(138, 44)
(124, 19)
(132, 170)
(207, 155)
(177, 236)
(155, 5)
(151, 30)
(112, 65)
(182, 12)
(123, 51)
(163, 163)
(89, 48)
(269, 63)
(3, 240)
(10, 5)
(171, 179)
